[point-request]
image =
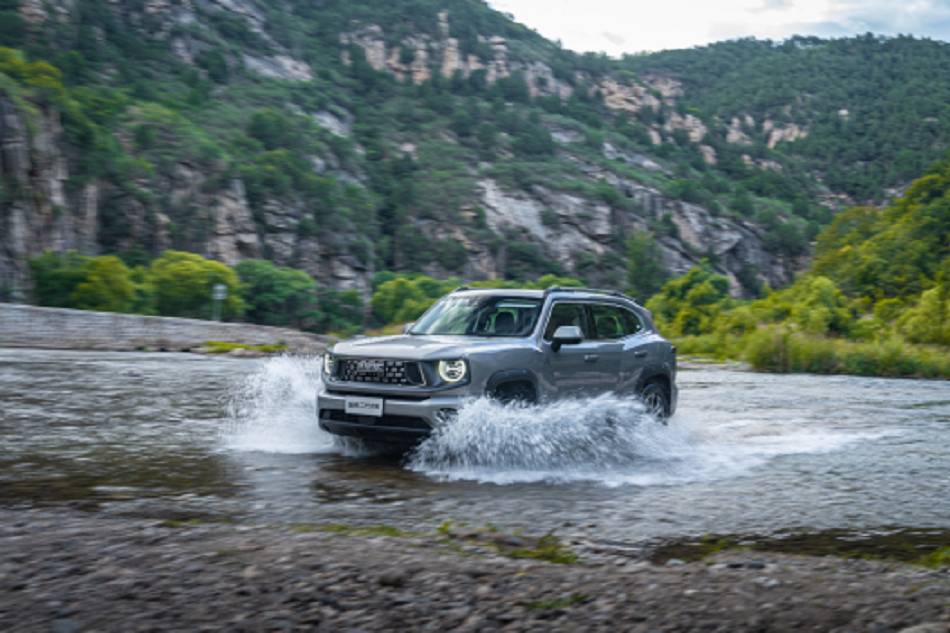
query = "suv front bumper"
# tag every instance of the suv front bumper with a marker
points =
(403, 420)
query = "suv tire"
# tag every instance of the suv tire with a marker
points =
(656, 400)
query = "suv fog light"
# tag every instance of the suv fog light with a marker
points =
(452, 370)
(445, 416)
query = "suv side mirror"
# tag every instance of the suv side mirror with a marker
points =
(407, 327)
(566, 335)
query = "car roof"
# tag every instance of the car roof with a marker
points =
(502, 292)
(573, 293)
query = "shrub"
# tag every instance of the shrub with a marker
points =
(929, 320)
(56, 277)
(108, 286)
(341, 311)
(645, 271)
(690, 304)
(276, 295)
(391, 297)
(767, 349)
(182, 284)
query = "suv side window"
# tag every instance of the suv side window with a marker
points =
(613, 322)
(566, 314)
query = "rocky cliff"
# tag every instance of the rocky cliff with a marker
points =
(451, 142)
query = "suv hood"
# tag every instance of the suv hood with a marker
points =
(422, 347)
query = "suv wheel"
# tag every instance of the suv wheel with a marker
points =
(517, 393)
(656, 401)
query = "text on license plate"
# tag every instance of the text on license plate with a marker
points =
(364, 406)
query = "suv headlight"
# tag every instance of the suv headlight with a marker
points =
(453, 370)
(329, 364)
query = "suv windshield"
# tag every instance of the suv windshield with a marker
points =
(480, 316)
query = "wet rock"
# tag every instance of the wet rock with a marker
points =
(393, 578)
(768, 583)
(64, 625)
(928, 627)
(509, 540)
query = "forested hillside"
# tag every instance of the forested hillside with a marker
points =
(879, 284)
(344, 139)
(871, 112)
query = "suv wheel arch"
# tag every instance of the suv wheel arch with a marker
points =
(513, 385)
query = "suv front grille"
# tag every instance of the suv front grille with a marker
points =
(380, 371)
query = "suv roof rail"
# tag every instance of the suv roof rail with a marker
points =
(461, 288)
(597, 291)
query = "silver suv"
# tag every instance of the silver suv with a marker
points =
(527, 346)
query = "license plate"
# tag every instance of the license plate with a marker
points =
(364, 406)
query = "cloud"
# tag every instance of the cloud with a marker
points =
(628, 26)
(614, 38)
(929, 18)
(774, 5)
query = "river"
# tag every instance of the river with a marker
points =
(194, 437)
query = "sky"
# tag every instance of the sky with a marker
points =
(631, 26)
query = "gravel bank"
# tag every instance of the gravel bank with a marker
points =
(66, 571)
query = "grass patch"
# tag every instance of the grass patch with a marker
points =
(925, 547)
(547, 548)
(223, 347)
(936, 559)
(558, 603)
(181, 523)
(190, 522)
(691, 551)
(780, 350)
(351, 530)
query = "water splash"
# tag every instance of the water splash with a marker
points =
(609, 440)
(605, 439)
(273, 410)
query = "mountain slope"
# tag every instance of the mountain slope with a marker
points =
(868, 112)
(346, 138)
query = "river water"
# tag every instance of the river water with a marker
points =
(195, 437)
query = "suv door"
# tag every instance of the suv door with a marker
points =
(573, 369)
(622, 353)
(608, 334)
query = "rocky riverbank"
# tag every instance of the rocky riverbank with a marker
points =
(64, 571)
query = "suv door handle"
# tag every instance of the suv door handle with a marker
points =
(639, 353)
(591, 358)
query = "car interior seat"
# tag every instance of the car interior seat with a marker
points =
(608, 326)
(504, 323)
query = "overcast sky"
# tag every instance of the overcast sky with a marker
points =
(629, 26)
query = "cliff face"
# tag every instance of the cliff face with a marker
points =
(190, 176)
(35, 213)
(44, 216)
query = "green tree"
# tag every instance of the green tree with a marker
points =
(390, 298)
(182, 284)
(341, 311)
(819, 307)
(273, 129)
(929, 320)
(56, 277)
(690, 304)
(277, 295)
(108, 286)
(645, 271)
